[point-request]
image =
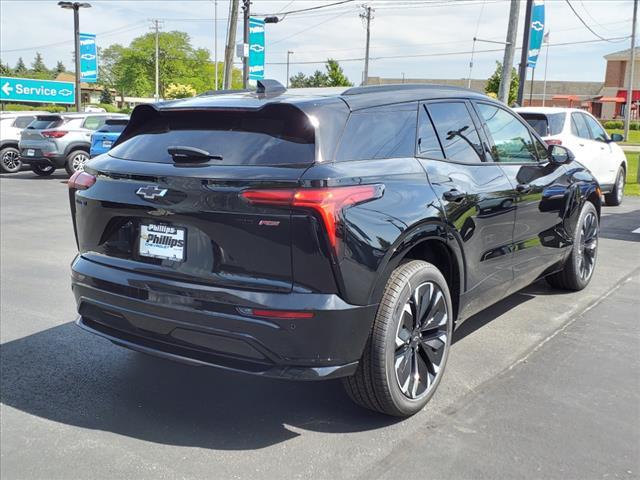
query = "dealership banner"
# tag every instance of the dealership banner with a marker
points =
(536, 33)
(256, 48)
(88, 58)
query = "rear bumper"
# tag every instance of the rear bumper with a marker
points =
(201, 325)
(55, 161)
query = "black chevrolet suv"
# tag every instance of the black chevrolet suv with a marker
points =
(314, 234)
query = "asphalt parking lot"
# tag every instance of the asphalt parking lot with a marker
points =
(545, 384)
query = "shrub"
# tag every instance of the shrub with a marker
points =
(613, 124)
(108, 107)
(178, 90)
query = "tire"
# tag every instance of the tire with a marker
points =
(578, 269)
(614, 198)
(397, 348)
(75, 161)
(43, 171)
(10, 160)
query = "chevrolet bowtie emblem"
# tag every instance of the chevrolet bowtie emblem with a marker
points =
(151, 192)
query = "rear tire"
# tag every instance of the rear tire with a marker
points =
(10, 160)
(43, 171)
(404, 359)
(579, 267)
(614, 198)
(75, 161)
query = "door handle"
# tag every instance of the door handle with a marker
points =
(581, 144)
(523, 188)
(453, 195)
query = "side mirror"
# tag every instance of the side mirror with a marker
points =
(616, 137)
(559, 154)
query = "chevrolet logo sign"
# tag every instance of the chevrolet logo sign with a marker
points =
(151, 192)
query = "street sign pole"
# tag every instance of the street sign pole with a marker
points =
(246, 5)
(76, 33)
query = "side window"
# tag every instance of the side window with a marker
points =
(579, 126)
(456, 131)
(23, 122)
(93, 123)
(541, 150)
(428, 143)
(511, 138)
(597, 132)
(388, 132)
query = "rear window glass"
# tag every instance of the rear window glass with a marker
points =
(45, 122)
(545, 124)
(23, 122)
(240, 138)
(387, 132)
(112, 128)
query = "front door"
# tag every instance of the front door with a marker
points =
(476, 196)
(539, 188)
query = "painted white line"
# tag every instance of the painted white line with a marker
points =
(637, 230)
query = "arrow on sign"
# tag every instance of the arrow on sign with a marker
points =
(7, 89)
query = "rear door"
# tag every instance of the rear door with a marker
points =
(181, 216)
(539, 189)
(586, 150)
(476, 196)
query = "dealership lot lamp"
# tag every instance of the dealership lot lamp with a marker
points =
(76, 6)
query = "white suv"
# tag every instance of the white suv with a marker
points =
(11, 124)
(581, 133)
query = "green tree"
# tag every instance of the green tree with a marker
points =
(493, 83)
(105, 96)
(20, 68)
(179, 90)
(38, 65)
(5, 69)
(60, 68)
(335, 75)
(299, 80)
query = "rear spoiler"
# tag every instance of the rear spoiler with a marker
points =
(116, 121)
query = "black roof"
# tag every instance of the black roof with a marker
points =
(356, 98)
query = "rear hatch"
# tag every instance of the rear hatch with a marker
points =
(41, 122)
(166, 198)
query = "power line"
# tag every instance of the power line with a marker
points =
(306, 29)
(585, 23)
(317, 7)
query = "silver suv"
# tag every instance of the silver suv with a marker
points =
(60, 140)
(11, 124)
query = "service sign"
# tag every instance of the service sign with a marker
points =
(88, 58)
(36, 91)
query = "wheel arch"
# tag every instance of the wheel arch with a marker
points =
(431, 242)
(75, 146)
(9, 143)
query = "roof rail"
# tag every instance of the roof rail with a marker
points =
(398, 87)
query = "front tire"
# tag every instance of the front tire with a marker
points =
(10, 160)
(75, 161)
(407, 350)
(579, 267)
(43, 171)
(614, 198)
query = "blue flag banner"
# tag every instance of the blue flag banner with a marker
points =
(256, 48)
(537, 32)
(88, 58)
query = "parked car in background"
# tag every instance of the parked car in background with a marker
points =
(312, 235)
(587, 139)
(54, 141)
(11, 125)
(103, 139)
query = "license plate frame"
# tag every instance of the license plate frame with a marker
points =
(107, 143)
(162, 245)
(31, 152)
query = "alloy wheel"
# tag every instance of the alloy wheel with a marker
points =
(620, 187)
(588, 248)
(78, 162)
(421, 341)
(10, 161)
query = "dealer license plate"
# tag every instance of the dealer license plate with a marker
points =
(162, 241)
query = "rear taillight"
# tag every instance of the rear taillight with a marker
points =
(327, 202)
(553, 141)
(81, 181)
(54, 133)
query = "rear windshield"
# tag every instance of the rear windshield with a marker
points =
(44, 122)
(545, 124)
(240, 138)
(112, 128)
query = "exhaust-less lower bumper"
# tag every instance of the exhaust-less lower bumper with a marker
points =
(202, 325)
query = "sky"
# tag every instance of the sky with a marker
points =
(428, 38)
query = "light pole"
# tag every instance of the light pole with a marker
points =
(76, 6)
(289, 53)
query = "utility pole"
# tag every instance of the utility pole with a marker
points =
(367, 16)
(525, 52)
(289, 53)
(231, 40)
(509, 50)
(546, 64)
(632, 59)
(215, 41)
(76, 6)
(156, 27)
(246, 10)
